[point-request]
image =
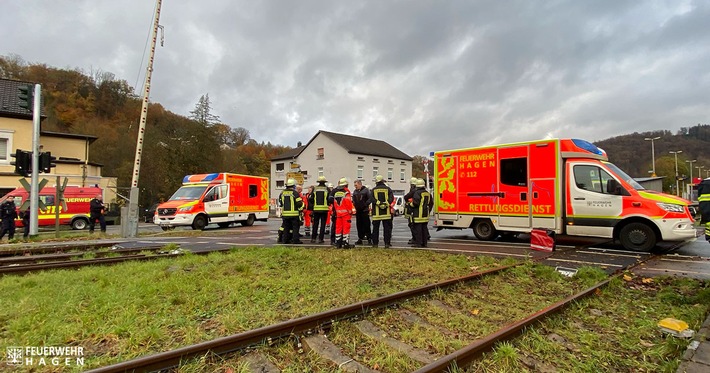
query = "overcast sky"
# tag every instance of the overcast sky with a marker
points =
(421, 75)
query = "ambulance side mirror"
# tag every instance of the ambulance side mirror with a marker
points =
(613, 187)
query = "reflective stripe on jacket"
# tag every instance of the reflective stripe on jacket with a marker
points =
(421, 204)
(320, 198)
(291, 203)
(382, 199)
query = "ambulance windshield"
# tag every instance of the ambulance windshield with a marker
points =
(634, 184)
(189, 193)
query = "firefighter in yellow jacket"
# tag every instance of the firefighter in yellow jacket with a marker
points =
(704, 202)
(291, 207)
(421, 206)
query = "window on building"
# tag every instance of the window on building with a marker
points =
(279, 184)
(402, 175)
(360, 172)
(320, 172)
(403, 163)
(321, 153)
(390, 162)
(5, 146)
(390, 174)
(375, 172)
(279, 167)
(361, 159)
(375, 160)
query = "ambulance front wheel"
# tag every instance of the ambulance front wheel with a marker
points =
(637, 237)
(484, 229)
(199, 223)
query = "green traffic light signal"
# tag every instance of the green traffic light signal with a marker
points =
(26, 96)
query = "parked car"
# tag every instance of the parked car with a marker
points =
(149, 212)
(399, 205)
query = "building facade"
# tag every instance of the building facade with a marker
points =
(335, 155)
(70, 150)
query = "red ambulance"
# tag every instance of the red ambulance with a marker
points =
(564, 185)
(77, 199)
(221, 198)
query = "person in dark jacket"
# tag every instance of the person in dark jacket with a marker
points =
(318, 200)
(361, 200)
(291, 207)
(96, 212)
(421, 205)
(381, 197)
(26, 223)
(407, 209)
(8, 214)
(704, 205)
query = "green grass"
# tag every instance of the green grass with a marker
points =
(132, 309)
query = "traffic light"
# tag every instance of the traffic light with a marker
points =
(45, 162)
(26, 96)
(22, 162)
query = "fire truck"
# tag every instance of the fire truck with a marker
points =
(76, 198)
(562, 185)
(220, 198)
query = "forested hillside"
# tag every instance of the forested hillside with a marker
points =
(633, 154)
(99, 104)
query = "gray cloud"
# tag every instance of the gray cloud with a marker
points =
(421, 75)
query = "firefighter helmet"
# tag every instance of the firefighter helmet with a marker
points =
(413, 181)
(420, 183)
(379, 178)
(321, 179)
(290, 182)
(343, 181)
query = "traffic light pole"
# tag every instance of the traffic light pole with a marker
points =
(34, 181)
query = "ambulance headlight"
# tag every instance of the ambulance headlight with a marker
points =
(671, 207)
(185, 209)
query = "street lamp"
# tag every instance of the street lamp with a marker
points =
(677, 186)
(653, 153)
(700, 175)
(691, 168)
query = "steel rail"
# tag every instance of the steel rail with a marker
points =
(168, 359)
(23, 269)
(468, 354)
(48, 249)
(56, 257)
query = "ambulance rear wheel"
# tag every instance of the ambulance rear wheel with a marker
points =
(199, 223)
(79, 224)
(250, 221)
(637, 237)
(484, 229)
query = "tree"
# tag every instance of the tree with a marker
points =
(203, 112)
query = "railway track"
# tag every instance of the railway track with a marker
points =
(312, 332)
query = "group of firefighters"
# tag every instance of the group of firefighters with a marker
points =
(323, 203)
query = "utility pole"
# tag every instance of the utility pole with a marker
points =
(653, 153)
(677, 184)
(34, 180)
(131, 225)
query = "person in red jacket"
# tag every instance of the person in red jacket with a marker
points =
(344, 208)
